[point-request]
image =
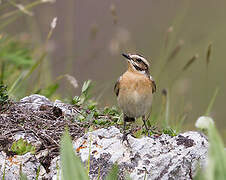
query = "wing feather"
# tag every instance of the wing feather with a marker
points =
(153, 84)
(116, 87)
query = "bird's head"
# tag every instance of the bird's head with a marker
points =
(137, 63)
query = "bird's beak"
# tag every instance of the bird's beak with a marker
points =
(126, 56)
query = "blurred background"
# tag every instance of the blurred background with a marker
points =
(183, 40)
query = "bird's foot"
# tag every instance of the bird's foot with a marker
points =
(154, 130)
(125, 138)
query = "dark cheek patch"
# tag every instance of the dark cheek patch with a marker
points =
(138, 68)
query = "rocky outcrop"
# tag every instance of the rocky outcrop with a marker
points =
(155, 157)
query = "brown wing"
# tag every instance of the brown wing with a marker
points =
(153, 85)
(116, 87)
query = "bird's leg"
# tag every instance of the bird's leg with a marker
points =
(124, 126)
(124, 137)
(144, 121)
(152, 129)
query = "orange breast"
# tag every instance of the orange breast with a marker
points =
(132, 81)
(135, 94)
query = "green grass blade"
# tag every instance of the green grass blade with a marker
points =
(23, 176)
(72, 167)
(113, 173)
(210, 106)
(216, 156)
(37, 173)
(16, 83)
(50, 90)
(38, 62)
(88, 162)
(3, 176)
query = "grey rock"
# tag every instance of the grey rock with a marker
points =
(67, 109)
(33, 102)
(156, 157)
(12, 166)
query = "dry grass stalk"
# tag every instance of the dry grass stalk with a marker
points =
(190, 61)
(164, 92)
(176, 50)
(114, 14)
(168, 32)
(209, 50)
(93, 31)
(72, 80)
(113, 10)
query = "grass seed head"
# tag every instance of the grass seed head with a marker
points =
(208, 53)
(53, 23)
(168, 32)
(190, 61)
(176, 50)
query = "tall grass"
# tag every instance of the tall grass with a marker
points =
(216, 161)
(71, 165)
(18, 61)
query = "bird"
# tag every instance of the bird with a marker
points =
(134, 90)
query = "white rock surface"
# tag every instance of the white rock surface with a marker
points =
(67, 109)
(156, 157)
(11, 166)
(34, 101)
(162, 157)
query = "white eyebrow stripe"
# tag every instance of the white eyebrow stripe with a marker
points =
(143, 59)
(134, 63)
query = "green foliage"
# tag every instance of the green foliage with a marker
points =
(21, 147)
(72, 168)
(16, 52)
(15, 55)
(113, 174)
(3, 94)
(85, 94)
(210, 106)
(3, 176)
(112, 111)
(49, 90)
(37, 173)
(90, 113)
(169, 131)
(216, 158)
(23, 176)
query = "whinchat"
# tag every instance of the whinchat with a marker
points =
(134, 89)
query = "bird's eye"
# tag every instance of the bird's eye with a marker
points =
(139, 60)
